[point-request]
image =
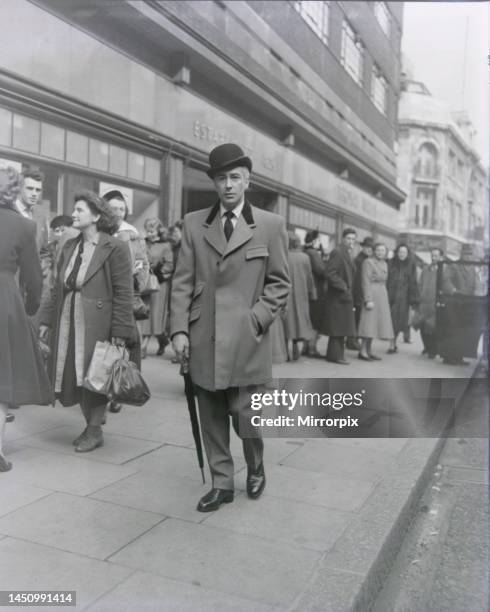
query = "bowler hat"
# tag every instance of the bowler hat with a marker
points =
(225, 157)
(367, 242)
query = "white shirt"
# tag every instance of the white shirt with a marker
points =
(24, 210)
(237, 211)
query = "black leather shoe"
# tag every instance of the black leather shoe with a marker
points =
(374, 357)
(363, 357)
(9, 418)
(213, 500)
(255, 482)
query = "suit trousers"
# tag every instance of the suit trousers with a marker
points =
(215, 409)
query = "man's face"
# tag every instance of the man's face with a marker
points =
(231, 186)
(31, 191)
(435, 256)
(118, 208)
(349, 240)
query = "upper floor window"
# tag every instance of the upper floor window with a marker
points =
(379, 90)
(352, 53)
(383, 16)
(426, 166)
(315, 13)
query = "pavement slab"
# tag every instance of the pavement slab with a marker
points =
(143, 592)
(26, 565)
(14, 495)
(151, 492)
(117, 449)
(219, 559)
(60, 472)
(78, 524)
(297, 523)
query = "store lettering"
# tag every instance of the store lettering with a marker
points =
(202, 131)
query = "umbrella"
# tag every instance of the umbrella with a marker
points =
(191, 405)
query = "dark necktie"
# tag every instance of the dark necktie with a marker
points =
(71, 281)
(228, 227)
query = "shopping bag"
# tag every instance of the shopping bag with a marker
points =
(152, 286)
(126, 384)
(99, 370)
(141, 310)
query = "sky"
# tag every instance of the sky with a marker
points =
(437, 37)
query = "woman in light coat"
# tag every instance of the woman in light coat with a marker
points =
(92, 301)
(375, 320)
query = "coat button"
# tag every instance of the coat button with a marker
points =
(212, 338)
(99, 304)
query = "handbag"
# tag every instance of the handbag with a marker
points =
(100, 368)
(126, 384)
(152, 285)
(141, 310)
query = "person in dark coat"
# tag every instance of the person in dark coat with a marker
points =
(425, 316)
(339, 318)
(366, 251)
(23, 379)
(317, 307)
(298, 322)
(92, 301)
(402, 290)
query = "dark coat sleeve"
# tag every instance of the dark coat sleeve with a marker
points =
(317, 264)
(122, 289)
(413, 290)
(49, 305)
(31, 277)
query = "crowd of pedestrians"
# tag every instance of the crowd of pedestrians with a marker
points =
(77, 279)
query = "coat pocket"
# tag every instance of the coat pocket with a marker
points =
(257, 251)
(194, 314)
(198, 289)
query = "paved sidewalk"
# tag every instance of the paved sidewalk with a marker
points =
(119, 525)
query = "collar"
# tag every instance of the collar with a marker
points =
(94, 240)
(24, 210)
(237, 211)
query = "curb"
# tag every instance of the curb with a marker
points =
(349, 577)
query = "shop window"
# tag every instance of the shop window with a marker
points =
(5, 127)
(152, 171)
(76, 148)
(118, 161)
(136, 166)
(98, 155)
(352, 53)
(26, 134)
(52, 141)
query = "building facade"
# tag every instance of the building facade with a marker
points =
(441, 173)
(117, 93)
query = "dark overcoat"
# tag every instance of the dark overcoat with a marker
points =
(23, 379)
(403, 291)
(298, 322)
(317, 307)
(339, 313)
(225, 295)
(106, 293)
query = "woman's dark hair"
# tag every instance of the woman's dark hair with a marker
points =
(10, 181)
(61, 221)
(397, 250)
(98, 206)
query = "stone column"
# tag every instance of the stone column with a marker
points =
(172, 183)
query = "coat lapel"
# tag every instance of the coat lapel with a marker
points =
(68, 248)
(243, 230)
(101, 253)
(213, 234)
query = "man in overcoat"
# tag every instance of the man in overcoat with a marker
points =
(339, 319)
(230, 282)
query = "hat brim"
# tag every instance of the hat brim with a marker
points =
(234, 163)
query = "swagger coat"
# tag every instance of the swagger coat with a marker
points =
(106, 294)
(23, 379)
(298, 322)
(225, 295)
(339, 313)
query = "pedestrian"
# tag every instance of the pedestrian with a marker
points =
(175, 238)
(403, 291)
(29, 201)
(375, 320)
(339, 319)
(23, 379)
(161, 260)
(366, 251)
(298, 322)
(425, 315)
(317, 307)
(230, 283)
(92, 301)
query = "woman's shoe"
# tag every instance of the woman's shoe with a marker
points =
(392, 351)
(363, 357)
(92, 440)
(113, 407)
(374, 357)
(79, 438)
(9, 418)
(5, 465)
